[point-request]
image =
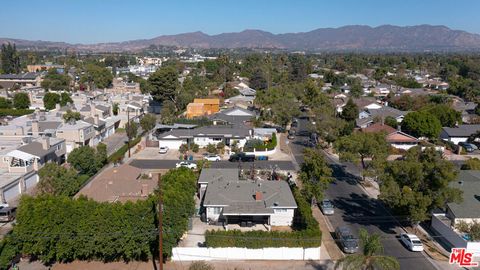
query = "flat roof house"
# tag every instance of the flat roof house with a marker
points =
(230, 200)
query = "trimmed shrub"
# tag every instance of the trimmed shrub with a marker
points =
(14, 112)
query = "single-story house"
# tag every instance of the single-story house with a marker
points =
(231, 200)
(458, 134)
(444, 223)
(204, 136)
(368, 116)
(394, 137)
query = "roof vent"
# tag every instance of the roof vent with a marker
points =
(275, 204)
(460, 183)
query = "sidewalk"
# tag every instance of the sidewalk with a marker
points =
(328, 243)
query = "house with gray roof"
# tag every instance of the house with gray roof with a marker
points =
(458, 134)
(468, 181)
(228, 199)
(204, 136)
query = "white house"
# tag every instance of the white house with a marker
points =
(231, 200)
(204, 136)
(458, 134)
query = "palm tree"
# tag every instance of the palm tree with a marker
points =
(370, 258)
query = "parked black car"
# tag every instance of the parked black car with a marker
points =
(242, 157)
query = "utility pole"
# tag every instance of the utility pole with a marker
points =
(128, 127)
(160, 222)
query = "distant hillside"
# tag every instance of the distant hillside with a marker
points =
(354, 37)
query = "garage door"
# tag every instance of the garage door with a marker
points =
(31, 181)
(171, 144)
(11, 193)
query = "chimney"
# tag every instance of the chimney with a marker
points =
(46, 143)
(258, 196)
(399, 128)
(35, 128)
(93, 111)
(96, 119)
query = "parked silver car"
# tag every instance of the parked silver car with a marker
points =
(327, 207)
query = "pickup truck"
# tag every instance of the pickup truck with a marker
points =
(242, 157)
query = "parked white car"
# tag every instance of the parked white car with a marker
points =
(412, 242)
(163, 150)
(186, 164)
(212, 157)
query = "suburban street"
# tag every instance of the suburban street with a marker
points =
(354, 208)
(259, 164)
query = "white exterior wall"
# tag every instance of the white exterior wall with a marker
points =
(31, 181)
(211, 213)
(204, 141)
(403, 146)
(282, 217)
(457, 140)
(171, 144)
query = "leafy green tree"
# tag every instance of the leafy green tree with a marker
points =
(81, 159)
(10, 59)
(360, 146)
(350, 111)
(21, 101)
(148, 122)
(132, 130)
(5, 103)
(471, 164)
(50, 100)
(65, 98)
(356, 90)
(418, 183)
(71, 115)
(164, 84)
(55, 81)
(447, 116)
(371, 256)
(168, 112)
(101, 77)
(229, 91)
(57, 180)
(211, 148)
(315, 174)
(278, 104)
(101, 155)
(257, 80)
(421, 124)
(115, 108)
(391, 121)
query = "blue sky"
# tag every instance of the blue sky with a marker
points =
(90, 21)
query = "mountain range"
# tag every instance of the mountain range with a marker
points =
(346, 38)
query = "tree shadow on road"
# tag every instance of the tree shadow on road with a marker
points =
(363, 210)
(318, 266)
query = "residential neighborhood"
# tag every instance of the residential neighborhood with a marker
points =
(147, 143)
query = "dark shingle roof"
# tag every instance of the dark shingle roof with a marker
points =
(469, 183)
(21, 76)
(461, 130)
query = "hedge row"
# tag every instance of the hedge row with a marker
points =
(14, 112)
(62, 229)
(306, 232)
(58, 228)
(120, 153)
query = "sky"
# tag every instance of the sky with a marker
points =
(93, 21)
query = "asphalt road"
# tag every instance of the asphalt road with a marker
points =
(168, 164)
(354, 208)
